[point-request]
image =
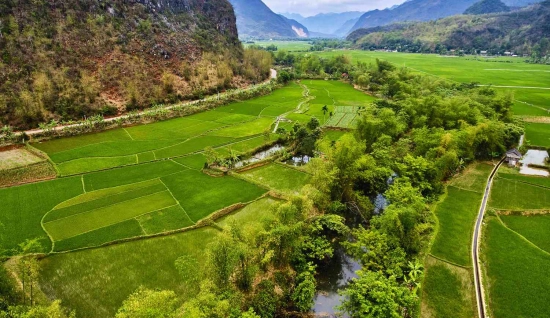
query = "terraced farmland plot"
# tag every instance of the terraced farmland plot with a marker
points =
(200, 195)
(170, 138)
(538, 134)
(512, 195)
(517, 273)
(279, 177)
(535, 228)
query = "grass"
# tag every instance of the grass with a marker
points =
(79, 166)
(95, 282)
(535, 228)
(105, 193)
(88, 221)
(474, 178)
(23, 208)
(193, 145)
(64, 144)
(32, 173)
(456, 215)
(252, 213)
(255, 127)
(130, 175)
(289, 46)
(279, 177)
(537, 134)
(17, 158)
(200, 195)
(517, 274)
(166, 220)
(447, 291)
(122, 230)
(107, 200)
(196, 161)
(541, 181)
(512, 195)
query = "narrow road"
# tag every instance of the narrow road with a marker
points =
(480, 296)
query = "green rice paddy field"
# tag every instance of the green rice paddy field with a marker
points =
(516, 247)
(448, 283)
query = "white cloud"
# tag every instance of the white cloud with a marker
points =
(312, 7)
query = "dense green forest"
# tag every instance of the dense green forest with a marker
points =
(64, 60)
(421, 131)
(524, 32)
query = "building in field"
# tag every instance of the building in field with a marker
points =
(513, 157)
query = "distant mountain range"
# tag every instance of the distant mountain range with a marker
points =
(328, 24)
(423, 10)
(255, 20)
(520, 32)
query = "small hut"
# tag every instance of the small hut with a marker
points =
(513, 157)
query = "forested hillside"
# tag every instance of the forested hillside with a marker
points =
(64, 60)
(413, 10)
(524, 32)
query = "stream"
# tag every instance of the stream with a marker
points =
(335, 275)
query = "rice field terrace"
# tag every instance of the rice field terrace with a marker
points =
(516, 271)
(448, 288)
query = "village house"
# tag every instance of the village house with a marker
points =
(513, 157)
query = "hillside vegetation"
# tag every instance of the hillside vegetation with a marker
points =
(64, 60)
(524, 32)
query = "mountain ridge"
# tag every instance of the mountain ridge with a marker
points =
(256, 20)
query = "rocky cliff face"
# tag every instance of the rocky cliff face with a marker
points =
(65, 59)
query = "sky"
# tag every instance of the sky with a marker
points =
(313, 7)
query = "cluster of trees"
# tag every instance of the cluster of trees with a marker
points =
(303, 66)
(321, 45)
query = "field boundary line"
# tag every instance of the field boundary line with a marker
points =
(179, 203)
(522, 237)
(106, 206)
(449, 262)
(126, 131)
(83, 185)
(141, 226)
(132, 218)
(181, 164)
(463, 189)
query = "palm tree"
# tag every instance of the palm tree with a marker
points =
(325, 110)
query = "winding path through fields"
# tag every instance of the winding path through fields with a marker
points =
(480, 296)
